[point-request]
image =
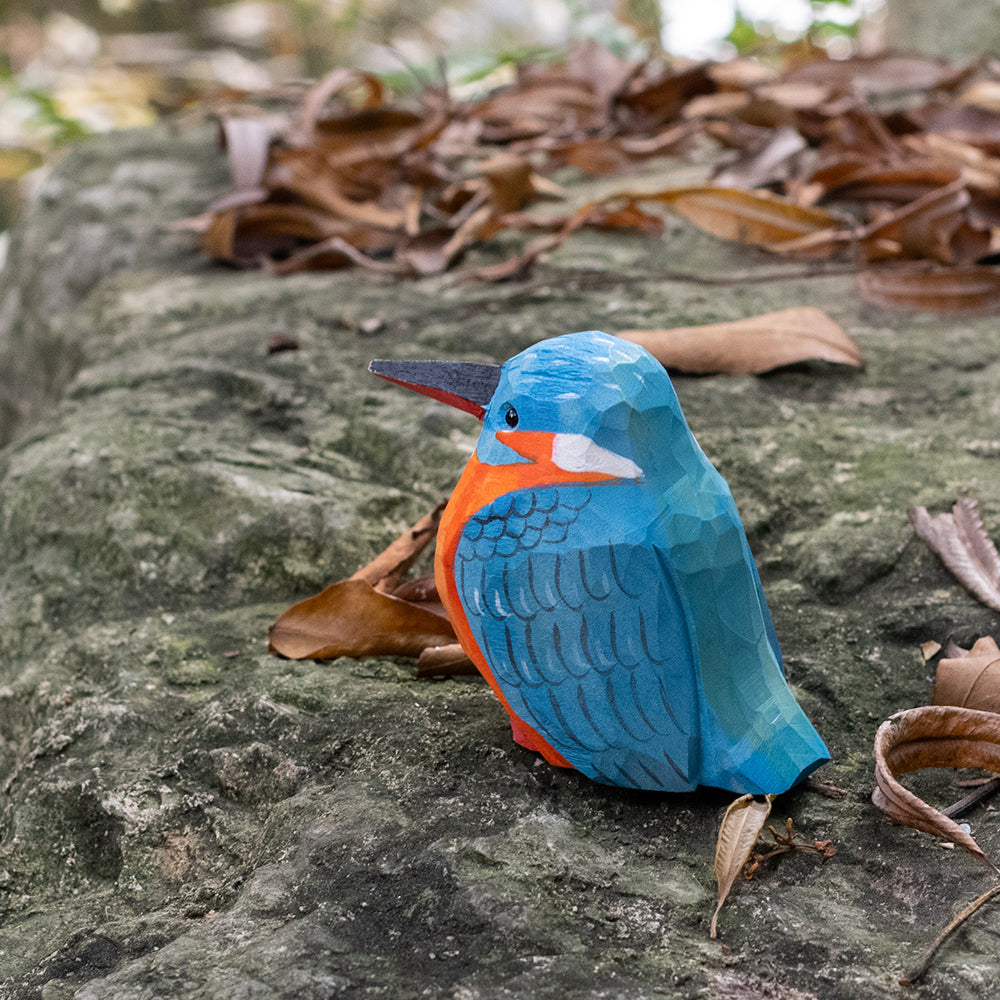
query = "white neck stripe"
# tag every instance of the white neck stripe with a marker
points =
(578, 453)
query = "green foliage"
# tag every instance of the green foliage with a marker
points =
(751, 37)
(745, 35)
(58, 128)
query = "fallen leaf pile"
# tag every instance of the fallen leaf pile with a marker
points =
(961, 729)
(962, 726)
(890, 162)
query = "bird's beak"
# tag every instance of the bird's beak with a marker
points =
(463, 384)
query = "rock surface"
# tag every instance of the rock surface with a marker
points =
(186, 816)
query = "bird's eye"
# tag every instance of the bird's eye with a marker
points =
(511, 416)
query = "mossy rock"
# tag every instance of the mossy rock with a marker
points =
(187, 816)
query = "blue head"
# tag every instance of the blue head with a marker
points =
(591, 385)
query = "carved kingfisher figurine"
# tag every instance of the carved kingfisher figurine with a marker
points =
(595, 569)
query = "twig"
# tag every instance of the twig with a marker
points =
(974, 797)
(915, 974)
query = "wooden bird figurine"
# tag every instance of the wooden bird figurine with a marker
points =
(596, 571)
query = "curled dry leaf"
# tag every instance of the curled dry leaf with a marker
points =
(374, 613)
(935, 226)
(971, 679)
(970, 290)
(755, 217)
(932, 736)
(445, 661)
(960, 539)
(303, 131)
(752, 345)
(386, 571)
(351, 618)
(741, 826)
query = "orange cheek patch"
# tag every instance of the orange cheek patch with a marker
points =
(536, 445)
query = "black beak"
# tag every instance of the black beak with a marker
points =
(463, 384)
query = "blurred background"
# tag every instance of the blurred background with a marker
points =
(68, 67)
(72, 67)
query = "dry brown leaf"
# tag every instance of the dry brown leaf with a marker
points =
(741, 826)
(602, 155)
(651, 103)
(625, 216)
(752, 345)
(799, 95)
(960, 539)
(383, 134)
(972, 290)
(513, 183)
(245, 235)
(304, 174)
(520, 264)
(547, 103)
(935, 226)
(968, 123)
(742, 72)
(878, 183)
(887, 72)
(445, 661)
(433, 251)
(303, 131)
(971, 680)
(248, 143)
(760, 167)
(386, 571)
(983, 93)
(331, 254)
(351, 618)
(930, 649)
(978, 168)
(218, 239)
(721, 104)
(374, 612)
(932, 736)
(755, 217)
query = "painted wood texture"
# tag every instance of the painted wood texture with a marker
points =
(595, 568)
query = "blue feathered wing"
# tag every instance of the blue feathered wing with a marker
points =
(599, 638)
(587, 638)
